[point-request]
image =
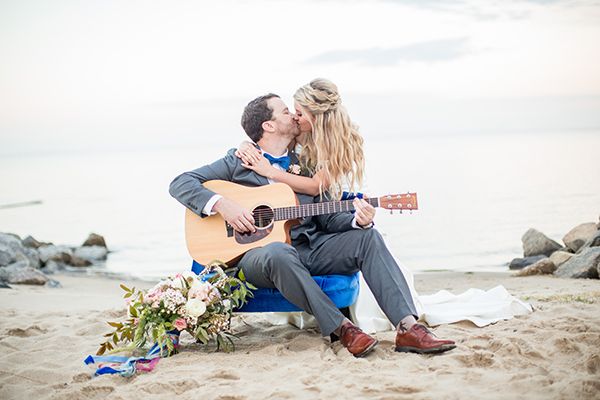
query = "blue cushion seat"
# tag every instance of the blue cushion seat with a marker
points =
(341, 289)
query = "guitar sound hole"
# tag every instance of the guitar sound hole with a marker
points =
(263, 216)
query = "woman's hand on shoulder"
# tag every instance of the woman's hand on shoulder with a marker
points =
(248, 153)
(261, 166)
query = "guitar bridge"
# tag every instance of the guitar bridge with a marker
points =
(229, 229)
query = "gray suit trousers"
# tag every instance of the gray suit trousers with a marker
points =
(289, 269)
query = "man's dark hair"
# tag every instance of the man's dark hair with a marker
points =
(255, 113)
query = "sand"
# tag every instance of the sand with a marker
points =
(553, 353)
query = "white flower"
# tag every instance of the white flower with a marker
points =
(195, 307)
(176, 283)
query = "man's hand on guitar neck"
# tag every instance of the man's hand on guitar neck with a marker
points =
(235, 215)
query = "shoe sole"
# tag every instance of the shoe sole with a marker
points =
(367, 350)
(435, 350)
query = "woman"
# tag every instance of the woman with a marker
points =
(329, 146)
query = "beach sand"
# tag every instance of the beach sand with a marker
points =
(553, 353)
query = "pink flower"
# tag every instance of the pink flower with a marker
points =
(180, 324)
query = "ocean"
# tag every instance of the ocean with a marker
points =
(477, 195)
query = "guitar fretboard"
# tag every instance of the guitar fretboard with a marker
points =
(308, 210)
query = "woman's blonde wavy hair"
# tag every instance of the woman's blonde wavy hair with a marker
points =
(335, 146)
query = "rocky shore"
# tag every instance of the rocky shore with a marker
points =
(29, 261)
(578, 258)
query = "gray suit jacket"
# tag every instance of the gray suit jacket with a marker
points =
(187, 188)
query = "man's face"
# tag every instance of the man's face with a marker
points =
(285, 123)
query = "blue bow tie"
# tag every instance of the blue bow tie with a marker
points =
(283, 161)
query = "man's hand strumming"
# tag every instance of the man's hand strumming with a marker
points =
(237, 216)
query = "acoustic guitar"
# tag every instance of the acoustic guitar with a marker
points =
(275, 209)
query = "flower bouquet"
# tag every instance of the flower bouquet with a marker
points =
(200, 304)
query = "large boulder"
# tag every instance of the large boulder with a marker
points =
(11, 250)
(20, 273)
(536, 243)
(95, 240)
(55, 253)
(520, 263)
(6, 257)
(91, 253)
(542, 267)
(10, 246)
(579, 235)
(594, 241)
(31, 256)
(583, 265)
(560, 257)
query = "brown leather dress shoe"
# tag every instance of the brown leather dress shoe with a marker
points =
(356, 341)
(419, 339)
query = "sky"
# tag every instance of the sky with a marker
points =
(103, 75)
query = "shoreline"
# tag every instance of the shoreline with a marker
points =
(45, 333)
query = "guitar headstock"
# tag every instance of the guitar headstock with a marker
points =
(406, 201)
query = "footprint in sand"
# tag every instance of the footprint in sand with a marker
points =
(592, 364)
(97, 392)
(477, 359)
(223, 374)
(33, 330)
(402, 389)
(81, 378)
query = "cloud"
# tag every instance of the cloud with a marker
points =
(428, 51)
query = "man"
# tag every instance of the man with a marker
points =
(340, 243)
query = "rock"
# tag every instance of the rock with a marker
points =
(10, 246)
(5, 257)
(579, 235)
(560, 257)
(94, 240)
(53, 284)
(91, 253)
(594, 241)
(583, 265)
(4, 285)
(79, 262)
(31, 255)
(55, 253)
(536, 243)
(520, 263)
(542, 267)
(20, 273)
(53, 266)
(29, 241)
(12, 250)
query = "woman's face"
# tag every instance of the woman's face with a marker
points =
(304, 117)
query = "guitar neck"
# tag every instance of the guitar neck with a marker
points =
(311, 209)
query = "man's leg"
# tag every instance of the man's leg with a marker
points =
(364, 250)
(277, 265)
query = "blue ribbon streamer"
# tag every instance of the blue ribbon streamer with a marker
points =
(127, 365)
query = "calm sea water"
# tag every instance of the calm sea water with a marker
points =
(477, 196)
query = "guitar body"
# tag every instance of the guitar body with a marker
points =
(211, 238)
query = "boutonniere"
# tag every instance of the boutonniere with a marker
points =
(294, 169)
